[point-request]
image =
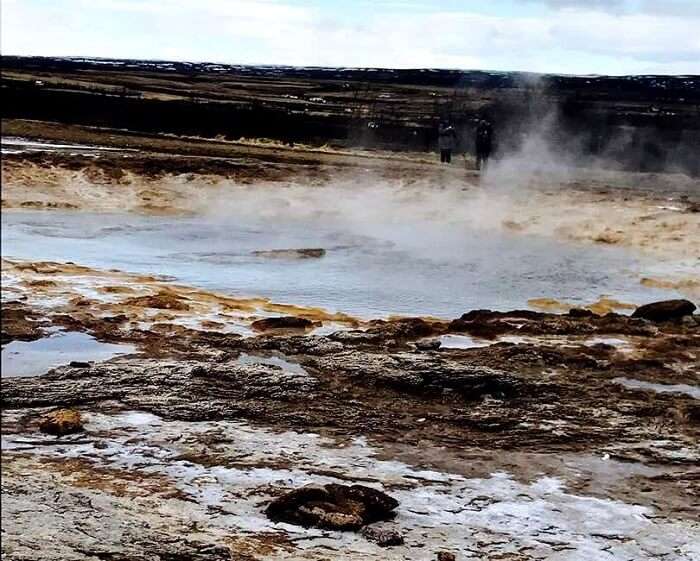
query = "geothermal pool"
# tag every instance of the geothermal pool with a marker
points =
(370, 270)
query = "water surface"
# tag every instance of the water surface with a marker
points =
(402, 268)
(34, 358)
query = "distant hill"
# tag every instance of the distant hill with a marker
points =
(637, 122)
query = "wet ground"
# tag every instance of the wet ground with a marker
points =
(221, 491)
(514, 435)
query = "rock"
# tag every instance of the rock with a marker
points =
(284, 322)
(666, 310)
(486, 315)
(119, 318)
(428, 345)
(20, 323)
(332, 507)
(580, 313)
(304, 253)
(402, 328)
(378, 505)
(383, 538)
(164, 300)
(480, 327)
(690, 321)
(446, 556)
(79, 364)
(60, 422)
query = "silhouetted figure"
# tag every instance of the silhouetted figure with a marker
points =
(447, 138)
(484, 143)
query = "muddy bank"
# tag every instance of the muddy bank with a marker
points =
(375, 382)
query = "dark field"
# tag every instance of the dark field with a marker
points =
(640, 123)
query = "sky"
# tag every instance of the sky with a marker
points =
(551, 36)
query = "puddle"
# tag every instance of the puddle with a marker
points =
(34, 358)
(245, 358)
(692, 391)
(464, 342)
(451, 341)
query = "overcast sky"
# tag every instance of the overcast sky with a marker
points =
(564, 36)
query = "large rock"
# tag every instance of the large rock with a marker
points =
(302, 253)
(60, 422)
(332, 507)
(428, 344)
(403, 328)
(666, 310)
(284, 322)
(163, 300)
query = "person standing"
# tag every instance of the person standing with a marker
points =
(447, 138)
(484, 143)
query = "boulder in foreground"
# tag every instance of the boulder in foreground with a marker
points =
(60, 422)
(666, 310)
(332, 507)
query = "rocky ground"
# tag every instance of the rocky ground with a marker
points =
(560, 436)
(566, 434)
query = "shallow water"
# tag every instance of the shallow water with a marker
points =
(631, 383)
(245, 358)
(452, 341)
(370, 270)
(33, 358)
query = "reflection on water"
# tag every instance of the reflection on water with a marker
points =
(245, 358)
(692, 391)
(368, 270)
(33, 358)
